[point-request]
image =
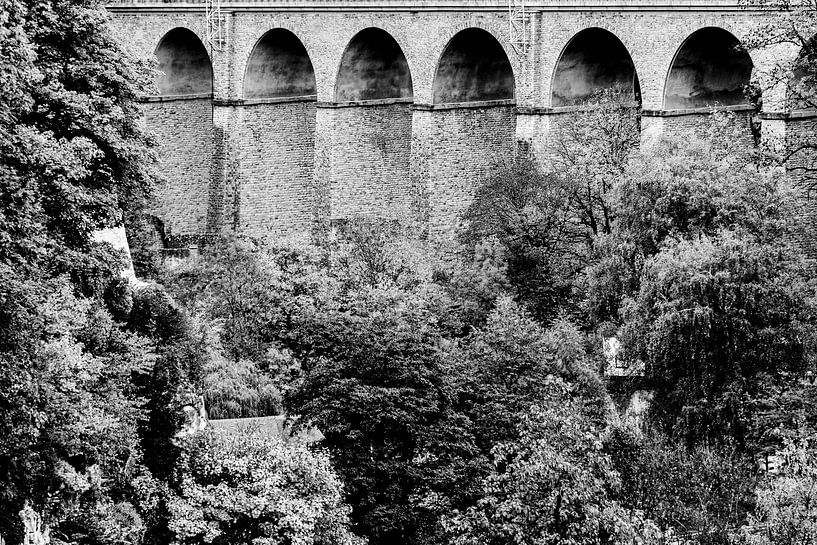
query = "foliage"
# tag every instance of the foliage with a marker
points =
(378, 254)
(183, 352)
(552, 485)
(788, 410)
(789, 31)
(548, 220)
(475, 281)
(233, 284)
(524, 209)
(69, 423)
(73, 154)
(501, 371)
(591, 149)
(239, 390)
(504, 368)
(73, 159)
(786, 511)
(251, 489)
(374, 386)
(789, 78)
(686, 188)
(700, 490)
(250, 292)
(717, 321)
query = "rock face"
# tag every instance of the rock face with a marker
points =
(195, 417)
(314, 112)
(115, 236)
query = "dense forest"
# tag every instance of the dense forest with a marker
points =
(462, 389)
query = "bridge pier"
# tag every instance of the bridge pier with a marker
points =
(533, 130)
(367, 147)
(222, 204)
(275, 159)
(786, 133)
(454, 146)
(183, 126)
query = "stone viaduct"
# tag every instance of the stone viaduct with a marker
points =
(316, 110)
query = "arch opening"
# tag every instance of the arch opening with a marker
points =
(184, 64)
(279, 67)
(373, 67)
(473, 68)
(593, 60)
(711, 68)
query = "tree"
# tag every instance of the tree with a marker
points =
(551, 485)
(590, 151)
(701, 490)
(499, 373)
(548, 220)
(69, 420)
(718, 321)
(685, 188)
(74, 155)
(246, 488)
(374, 385)
(526, 210)
(73, 159)
(504, 369)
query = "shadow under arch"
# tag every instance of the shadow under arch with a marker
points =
(373, 67)
(473, 67)
(279, 67)
(711, 68)
(184, 64)
(593, 59)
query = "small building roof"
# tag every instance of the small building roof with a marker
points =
(271, 426)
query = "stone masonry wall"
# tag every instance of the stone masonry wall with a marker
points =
(184, 135)
(696, 124)
(465, 143)
(275, 168)
(369, 155)
(802, 132)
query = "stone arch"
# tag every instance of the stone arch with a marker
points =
(593, 59)
(184, 64)
(711, 68)
(279, 67)
(473, 67)
(373, 67)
